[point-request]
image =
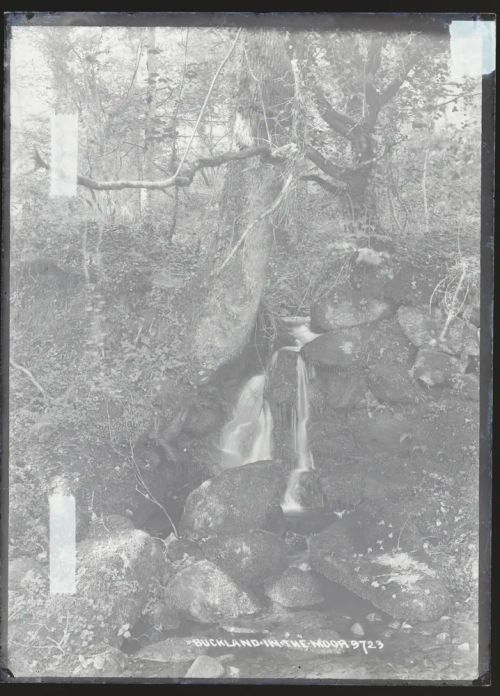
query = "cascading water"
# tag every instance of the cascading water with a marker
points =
(247, 437)
(300, 331)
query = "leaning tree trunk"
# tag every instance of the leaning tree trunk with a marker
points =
(253, 192)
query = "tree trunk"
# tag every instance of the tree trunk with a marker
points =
(253, 190)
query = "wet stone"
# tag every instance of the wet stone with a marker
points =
(294, 588)
(207, 594)
(247, 497)
(249, 557)
(341, 348)
(393, 581)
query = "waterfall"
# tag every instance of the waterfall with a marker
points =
(302, 334)
(247, 437)
(305, 460)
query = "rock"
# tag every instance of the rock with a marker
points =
(207, 594)
(248, 557)
(205, 667)
(331, 442)
(384, 432)
(294, 588)
(348, 485)
(163, 616)
(433, 367)
(182, 552)
(467, 386)
(116, 576)
(357, 629)
(463, 647)
(341, 348)
(424, 330)
(373, 617)
(390, 382)
(345, 389)
(247, 497)
(170, 650)
(414, 283)
(371, 282)
(394, 582)
(387, 343)
(110, 663)
(329, 314)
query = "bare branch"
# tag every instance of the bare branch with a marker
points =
(377, 100)
(180, 179)
(324, 183)
(453, 99)
(326, 166)
(337, 121)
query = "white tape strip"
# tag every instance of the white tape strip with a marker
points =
(62, 532)
(63, 154)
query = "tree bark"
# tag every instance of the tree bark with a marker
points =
(252, 188)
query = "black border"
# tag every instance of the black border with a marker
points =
(434, 16)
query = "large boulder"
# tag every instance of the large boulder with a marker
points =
(390, 382)
(393, 580)
(345, 487)
(117, 573)
(330, 314)
(246, 497)
(383, 432)
(295, 588)
(345, 388)
(387, 343)
(207, 594)
(342, 348)
(248, 557)
(331, 442)
(432, 367)
(412, 282)
(425, 330)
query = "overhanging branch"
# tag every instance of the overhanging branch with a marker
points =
(183, 178)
